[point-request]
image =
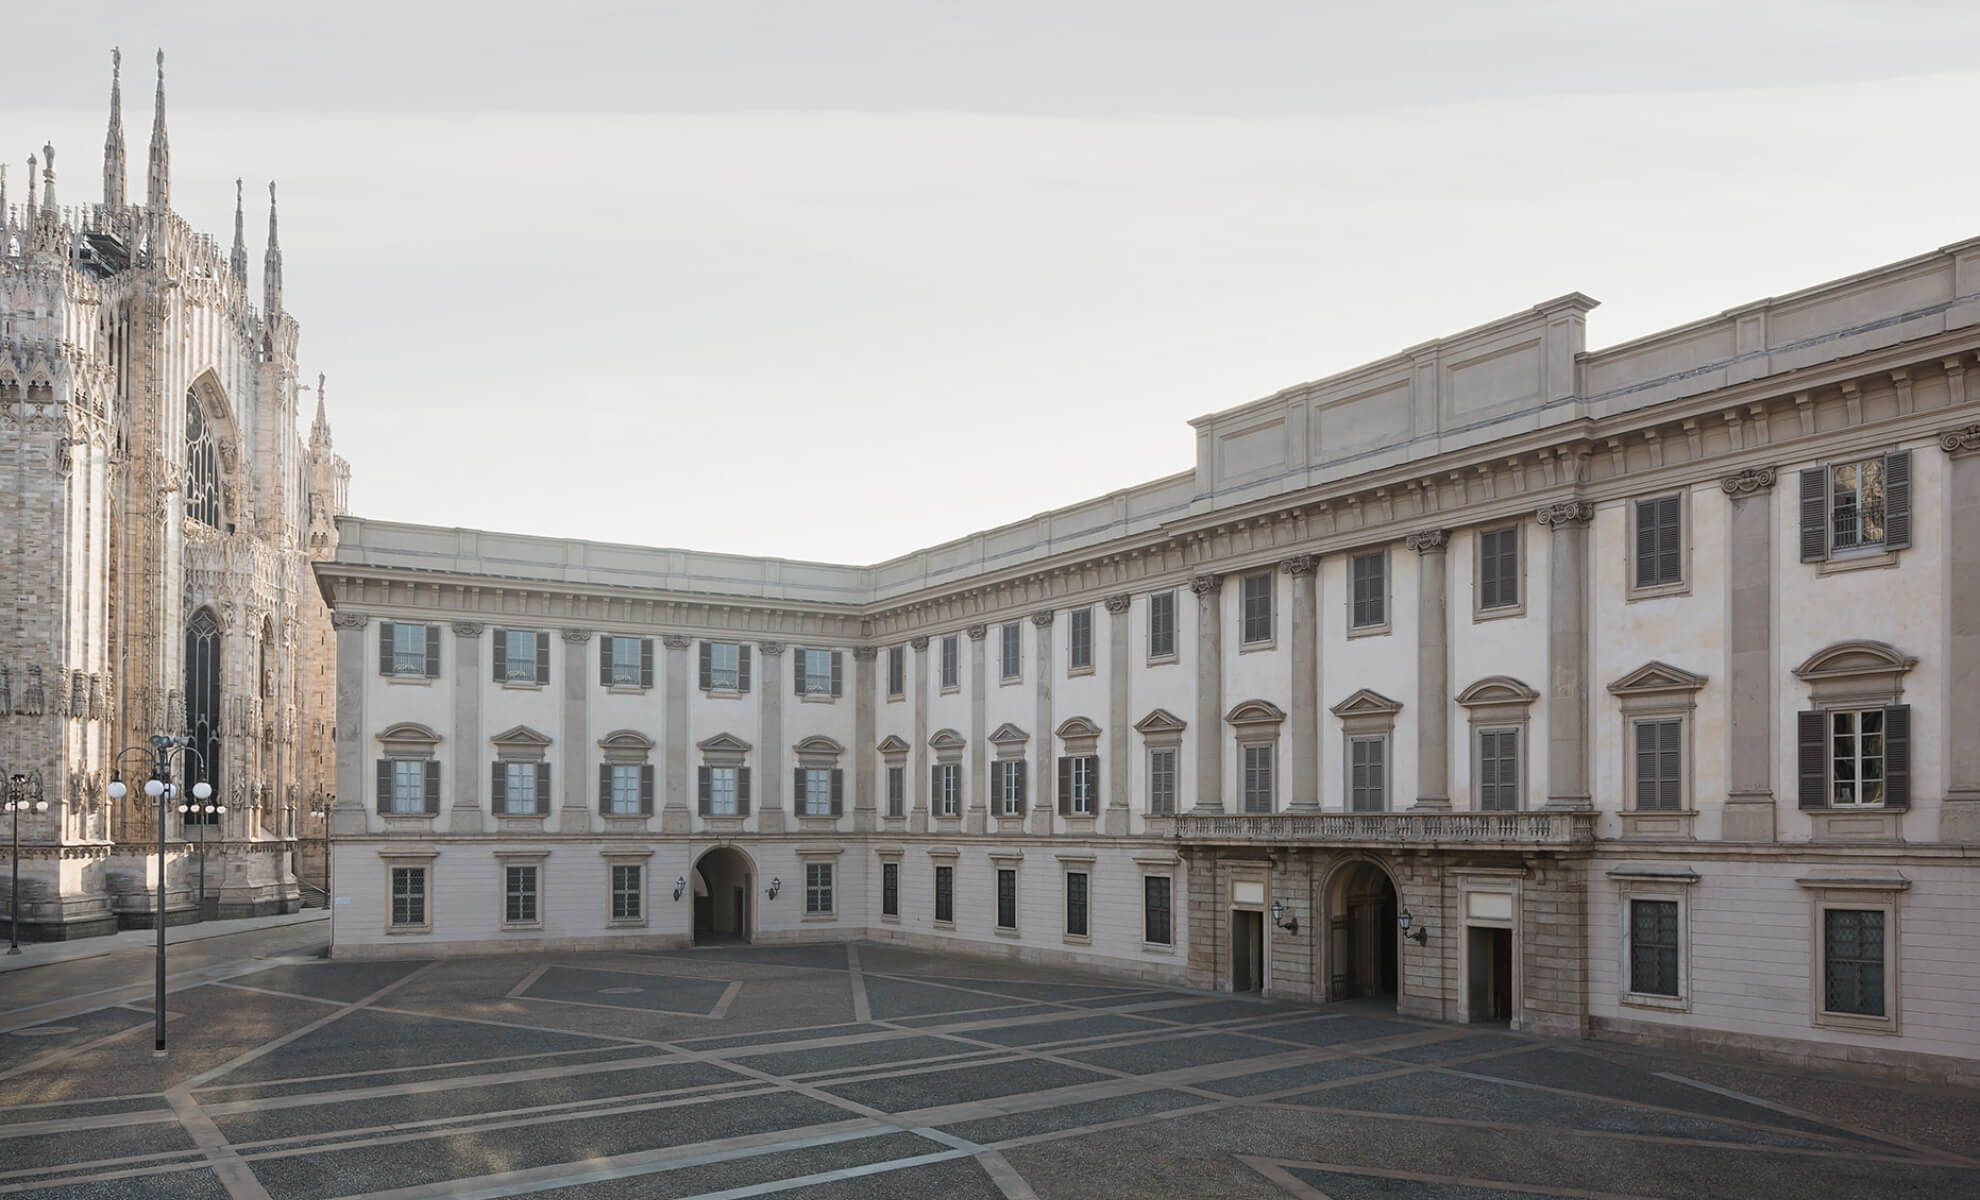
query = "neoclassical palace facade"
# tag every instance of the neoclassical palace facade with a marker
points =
(161, 508)
(1629, 693)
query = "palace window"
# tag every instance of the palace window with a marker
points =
(1653, 947)
(408, 897)
(951, 663)
(1856, 507)
(628, 887)
(1853, 961)
(1079, 784)
(896, 791)
(408, 650)
(1156, 925)
(948, 789)
(890, 889)
(1258, 781)
(1255, 608)
(1076, 924)
(818, 888)
(408, 774)
(625, 662)
(1368, 773)
(1007, 780)
(1498, 570)
(1006, 898)
(1010, 647)
(1498, 770)
(1162, 780)
(1368, 591)
(1161, 625)
(1079, 640)
(724, 667)
(1659, 764)
(817, 673)
(896, 672)
(945, 895)
(1659, 550)
(521, 656)
(519, 895)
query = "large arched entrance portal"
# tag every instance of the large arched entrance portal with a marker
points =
(722, 889)
(1361, 932)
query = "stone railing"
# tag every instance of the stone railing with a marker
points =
(1406, 828)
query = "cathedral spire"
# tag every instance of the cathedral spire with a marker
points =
(48, 211)
(271, 263)
(158, 179)
(237, 262)
(27, 214)
(3, 199)
(319, 429)
(113, 142)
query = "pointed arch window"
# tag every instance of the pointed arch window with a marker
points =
(202, 467)
(203, 702)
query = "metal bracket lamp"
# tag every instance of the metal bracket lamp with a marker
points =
(680, 885)
(1279, 918)
(1419, 934)
(776, 885)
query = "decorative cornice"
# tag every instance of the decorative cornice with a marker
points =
(1750, 481)
(1301, 564)
(1043, 617)
(1208, 582)
(1960, 441)
(468, 629)
(865, 653)
(349, 620)
(1429, 541)
(1565, 512)
(1118, 603)
(676, 641)
(772, 649)
(977, 632)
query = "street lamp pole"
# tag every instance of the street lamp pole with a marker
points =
(19, 788)
(159, 788)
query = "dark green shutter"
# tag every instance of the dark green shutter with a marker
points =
(1897, 756)
(707, 666)
(499, 658)
(704, 789)
(1812, 759)
(542, 787)
(797, 790)
(384, 785)
(542, 657)
(742, 668)
(1065, 785)
(385, 648)
(604, 787)
(838, 792)
(646, 789)
(646, 662)
(498, 787)
(605, 661)
(742, 791)
(797, 672)
(432, 787)
(1897, 500)
(433, 652)
(1019, 767)
(1814, 514)
(935, 788)
(838, 681)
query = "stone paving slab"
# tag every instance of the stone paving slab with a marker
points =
(1171, 1054)
(931, 1089)
(344, 982)
(618, 989)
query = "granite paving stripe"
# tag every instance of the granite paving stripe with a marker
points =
(1125, 999)
(822, 956)
(857, 1054)
(1342, 1030)
(929, 1089)
(22, 1154)
(989, 1130)
(1325, 1070)
(1098, 1025)
(1446, 1049)
(382, 1039)
(898, 998)
(703, 1178)
(62, 1110)
(375, 1166)
(660, 993)
(1170, 1054)
(29, 1043)
(1212, 1011)
(344, 982)
(1027, 990)
(772, 1037)
(1340, 1185)
(217, 1093)
(956, 1179)
(198, 1183)
(986, 1015)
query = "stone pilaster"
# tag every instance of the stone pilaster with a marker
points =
(1209, 731)
(1959, 818)
(769, 799)
(863, 752)
(1749, 811)
(580, 798)
(979, 745)
(465, 815)
(352, 773)
(917, 783)
(1118, 772)
(1433, 668)
(1043, 802)
(1304, 776)
(675, 818)
(1567, 652)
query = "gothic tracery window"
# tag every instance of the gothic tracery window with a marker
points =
(202, 471)
(202, 705)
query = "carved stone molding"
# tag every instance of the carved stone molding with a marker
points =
(977, 633)
(1565, 512)
(1751, 481)
(865, 653)
(349, 620)
(1301, 564)
(468, 629)
(1043, 617)
(1205, 583)
(1961, 441)
(576, 636)
(920, 644)
(771, 648)
(1429, 541)
(1118, 604)
(676, 641)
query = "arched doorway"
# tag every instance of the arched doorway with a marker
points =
(1362, 937)
(722, 890)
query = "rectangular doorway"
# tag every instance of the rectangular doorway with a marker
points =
(1489, 967)
(1247, 951)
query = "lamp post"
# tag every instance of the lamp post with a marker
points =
(206, 813)
(322, 813)
(23, 795)
(159, 787)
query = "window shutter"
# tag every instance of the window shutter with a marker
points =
(1646, 543)
(742, 668)
(498, 787)
(385, 648)
(838, 792)
(646, 662)
(798, 672)
(797, 790)
(1093, 782)
(707, 668)
(384, 785)
(542, 658)
(1897, 756)
(433, 652)
(742, 791)
(604, 787)
(1897, 500)
(1065, 785)
(1812, 735)
(935, 787)
(1814, 514)
(1018, 768)
(500, 658)
(702, 786)
(605, 661)
(838, 680)
(432, 787)
(646, 789)
(542, 787)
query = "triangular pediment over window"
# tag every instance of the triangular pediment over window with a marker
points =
(1256, 712)
(723, 742)
(894, 743)
(947, 739)
(1367, 703)
(1657, 678)
(1497, 689)
(1161, 720)
(520, 736)
(1008, 734)
(1077, 727)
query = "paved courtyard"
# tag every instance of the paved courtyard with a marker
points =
(866, 1071)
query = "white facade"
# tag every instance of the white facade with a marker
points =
(1644, 680)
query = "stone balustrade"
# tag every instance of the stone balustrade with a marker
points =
(1558, 829)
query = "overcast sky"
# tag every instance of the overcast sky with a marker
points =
(837, 279)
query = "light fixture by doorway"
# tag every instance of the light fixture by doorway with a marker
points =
(1279, 918)
(776, 885)
(1419, 935)
(680, 885)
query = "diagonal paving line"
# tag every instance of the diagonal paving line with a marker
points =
(234, 1174)
(1931, 1152)
(116, 997)
(1275, 1169)
(862, 1009)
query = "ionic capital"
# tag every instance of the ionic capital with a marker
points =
(1960, 441)
(1301, 564)
(1118, 604)
(349, 620)
(1748, 482)
(1565, 512)
(1043, 617)
(577, 636)
(1429, 541)
(1207, 582)
(676, 641)
(468, 629)
(772, 649)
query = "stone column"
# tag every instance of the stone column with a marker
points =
(979, 745)
(1209, 589)
(470, 766)
(1305, 743)
(1433, 669)
(1567, 652)
(1118, 772)
(863, 810)
(580, 795)
(1043, 801)
(1749, 810)
(675, 818)
(1959, 818)
(917, 784)
(769, 798)
(353, 776)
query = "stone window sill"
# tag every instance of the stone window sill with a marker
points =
(1660, 1003)
(815, 918)
(409, 680)
(1158, 948)
(522, 927)
(1499, 613)
(1262, 646)
(516, 685)
(1002, 932)
(1075, 672)
(896, 697)
(827, 698)
(1162, 660)
(407, 930)
(951, 689)
(1077, 939)
(1855, 561)
(1010, 681)
(885, 919)
(626, 923)
(723, 693)
(1358, 631)
(1855, 1023)
(948, 925)
(626, 689)
(1657, 591)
